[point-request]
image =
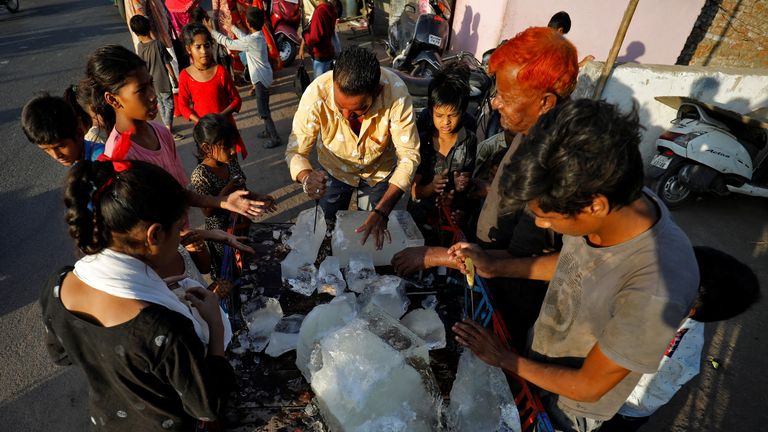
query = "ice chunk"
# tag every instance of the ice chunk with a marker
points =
(430, 302)
(321, 321)
(261, 315)
(305, 280)
(330, 280)
(285, 337)
(388, 292)
(365, 384)
(396, 335)
(427, 325)
(345, 241)
(360, 271)
(481, 399)
(304, 242)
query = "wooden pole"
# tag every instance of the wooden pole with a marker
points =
(608, 66)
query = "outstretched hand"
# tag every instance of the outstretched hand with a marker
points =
(239, 202)
(375, 224)
(486, 345)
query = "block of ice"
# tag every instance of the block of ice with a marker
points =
(346, 241)
(304, 242)
(261, 314)
(480, 398)
(319, 322)
(329, 279)
(360, 271)
(285, 336)
(427, 325)
(305, 279)
(388, 292)
(366, 384)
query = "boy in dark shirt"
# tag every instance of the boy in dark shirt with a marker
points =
(159, 64)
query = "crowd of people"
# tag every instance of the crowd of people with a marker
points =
(591, 274)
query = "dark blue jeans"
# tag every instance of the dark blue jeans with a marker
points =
(338, 195)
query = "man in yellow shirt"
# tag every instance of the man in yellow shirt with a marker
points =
(368, 140)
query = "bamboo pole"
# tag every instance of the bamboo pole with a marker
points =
(608, 66)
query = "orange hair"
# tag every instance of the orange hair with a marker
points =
(545, 60)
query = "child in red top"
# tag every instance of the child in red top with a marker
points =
(204, 86)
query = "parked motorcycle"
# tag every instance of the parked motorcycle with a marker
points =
(417, 40)
(284, 19)
(11, 5)
(709, 149)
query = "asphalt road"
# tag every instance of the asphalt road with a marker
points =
(44, 47)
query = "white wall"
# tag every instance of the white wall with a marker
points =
(740, 90)
(656, 35)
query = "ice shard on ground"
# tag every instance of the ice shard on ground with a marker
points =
(388, 292)
(427, 325)
(375, 376)
(346, 241)
(261, 315)
(285, 336)
(307, 235)
(360, 271)
(481, 399)
(329, 278)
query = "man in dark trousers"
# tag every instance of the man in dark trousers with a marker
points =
(319, 38)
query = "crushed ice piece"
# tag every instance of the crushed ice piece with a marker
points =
(268, 243)
(345, 241)
(276, 234)
(366, 383)
(388, 292)
(253, 267)
(480, 398)
(305, 281)
(429, 280)
(261, 315)
(360, 271)
(319, 322)
(285, 337)
(427, 325)
(330, 280)
(430, 302)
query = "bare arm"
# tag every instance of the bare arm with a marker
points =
(499, 263)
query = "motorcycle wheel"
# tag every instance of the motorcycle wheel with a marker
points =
(670, 188)
(423, 70)
(12, 6)
(287, 50)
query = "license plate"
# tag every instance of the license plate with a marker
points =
(661, 161)
(434, 40)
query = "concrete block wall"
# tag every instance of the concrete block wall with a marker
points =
(740, 90)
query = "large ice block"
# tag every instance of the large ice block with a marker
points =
(305, 241)
(329, 278)
(360, 271)
(321, 321)
(367, 383)
(427, 325)
(388, 292)
(480, 398)
(345, 240)
(285, 337)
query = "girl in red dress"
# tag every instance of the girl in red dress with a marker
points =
(204, 86)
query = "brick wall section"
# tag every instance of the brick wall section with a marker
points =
(729, 33)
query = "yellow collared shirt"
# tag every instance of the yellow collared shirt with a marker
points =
(388, 141)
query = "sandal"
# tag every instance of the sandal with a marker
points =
(178, 137)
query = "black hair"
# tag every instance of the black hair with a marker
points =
(198, 15)
(191, 30)
(72, 98)
(449, 90)
(139, 24)
(575, 152)
(108, 69)
(144, 193)
(357, 71)
(212, 129)
(727, 286)
(48, 119)
(255, 17)
(560, 20)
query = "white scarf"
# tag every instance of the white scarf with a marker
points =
(124, 276)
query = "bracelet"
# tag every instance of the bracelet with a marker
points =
(382, 214)
(304, 184)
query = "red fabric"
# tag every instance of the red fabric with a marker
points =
(319, 37)
(212, 96)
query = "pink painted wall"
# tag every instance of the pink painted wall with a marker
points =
(656, 35)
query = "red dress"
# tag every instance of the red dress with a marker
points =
(212, 96)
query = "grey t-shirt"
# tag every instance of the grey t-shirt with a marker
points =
(629, 298)
(156, 57)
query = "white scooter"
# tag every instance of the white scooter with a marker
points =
(709, 149)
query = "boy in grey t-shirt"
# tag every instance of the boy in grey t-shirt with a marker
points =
(623, 282)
